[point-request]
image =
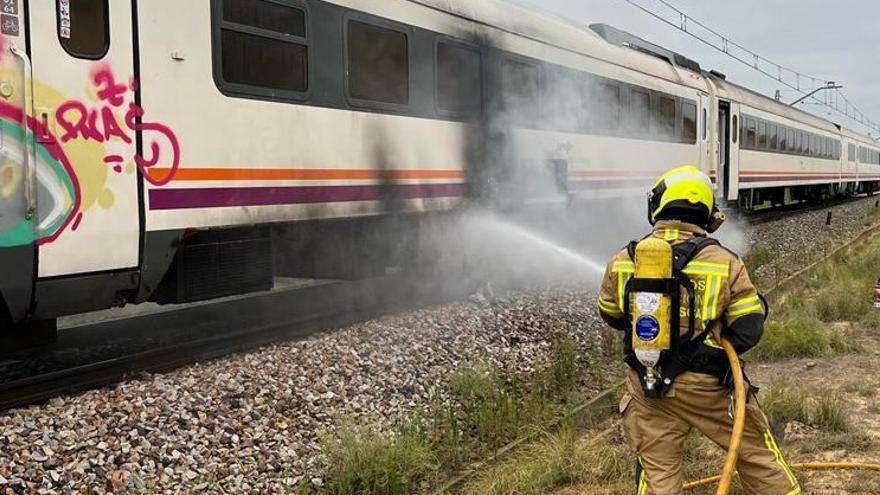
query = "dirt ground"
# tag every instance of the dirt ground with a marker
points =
(853, 379)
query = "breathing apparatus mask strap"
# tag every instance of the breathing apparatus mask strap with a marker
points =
(716, 219)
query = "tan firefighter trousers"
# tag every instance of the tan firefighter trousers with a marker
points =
(657, 428)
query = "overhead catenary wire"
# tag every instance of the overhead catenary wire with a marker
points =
(797, 81)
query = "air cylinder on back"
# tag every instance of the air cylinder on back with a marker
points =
(651, 333)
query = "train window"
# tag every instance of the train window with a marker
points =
(378, 63)
(562, 100)
(851, 152)
(665, 117)
(751, 134)
(641, 112)
(791, 144)
(814, 145)
(84, 28)
(266, 15)
(459, 79)
(705, 125)
(783, 142)
(520, 90)
(773, 136)
(762, 135)
(609, 106)
(261, 53)
(736, 129)
(689, 122)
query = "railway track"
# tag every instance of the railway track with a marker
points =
(105, 353)
(772, 214)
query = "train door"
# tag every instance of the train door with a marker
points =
(723, 148)
(731, 149)
(702, 137)
(82, 56)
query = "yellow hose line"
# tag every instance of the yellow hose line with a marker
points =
(739, 420)
(726, 477)
(807, 466)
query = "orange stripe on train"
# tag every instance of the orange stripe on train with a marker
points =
(198, 174)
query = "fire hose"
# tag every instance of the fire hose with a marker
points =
(726, 477)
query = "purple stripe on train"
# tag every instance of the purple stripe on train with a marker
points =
(178, 199)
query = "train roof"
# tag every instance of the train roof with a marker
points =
(599, 42)
(741, 94)
(605, 43)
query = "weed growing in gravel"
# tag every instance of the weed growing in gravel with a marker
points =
(759, 255)
(487, 406)
(488, 410)
(362, 460)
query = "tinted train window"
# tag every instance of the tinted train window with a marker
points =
(783, 141)
(772, 136)
(459, 79)
(705, 125)
(263, 45)
(762, 135)
(562, 104)
(609, 105)
(378, 64)
(751, 134)
(851, 152)
(665, 117)
(266, 15)
(736, 129)
(84, 27)
(519, 83)
(689, 122)
(792, 146)
(641, 112)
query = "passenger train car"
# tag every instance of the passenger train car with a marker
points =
(177, 151)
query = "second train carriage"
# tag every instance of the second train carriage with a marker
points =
(164, 150)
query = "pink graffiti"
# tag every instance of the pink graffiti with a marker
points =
(101, 124)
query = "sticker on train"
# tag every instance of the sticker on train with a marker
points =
(9, 7)
(9, 24)
(64, 18)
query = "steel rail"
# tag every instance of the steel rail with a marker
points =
(224, 328)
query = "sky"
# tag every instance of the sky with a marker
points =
(836, 41)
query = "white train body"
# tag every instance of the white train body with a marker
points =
(147, 143)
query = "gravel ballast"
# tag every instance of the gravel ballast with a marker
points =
(250, 423)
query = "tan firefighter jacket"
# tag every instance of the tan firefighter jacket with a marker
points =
(725, 296)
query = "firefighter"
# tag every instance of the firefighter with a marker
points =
(688, 386)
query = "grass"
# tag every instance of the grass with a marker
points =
(488, 410)
(364, 460)
(557, 460)
(785, 402)
(803, 319)
(798, 336)
(759, 255)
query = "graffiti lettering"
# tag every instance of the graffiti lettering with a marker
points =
(102, 124)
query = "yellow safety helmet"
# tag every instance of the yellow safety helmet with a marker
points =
(685, 194)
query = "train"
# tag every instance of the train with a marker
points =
(175, 151)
